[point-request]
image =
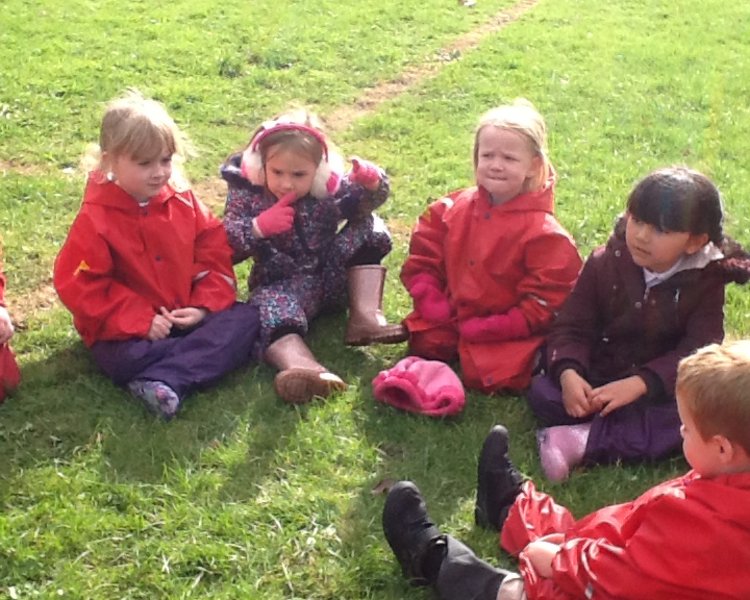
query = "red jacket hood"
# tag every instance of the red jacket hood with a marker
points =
(542, 200)
(101, 191)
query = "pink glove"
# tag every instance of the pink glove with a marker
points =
(495, 328)
(364, 173)
(429, 300)
(428, 387)
(278, 218)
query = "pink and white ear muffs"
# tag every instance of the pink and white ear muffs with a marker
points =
(327, 176)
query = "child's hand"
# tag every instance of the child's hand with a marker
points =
(184, 318)
(540, 554)
(429, 301)
(6, 325)
(616, 394)
(576, 394)
(495, 328)
(160, 327)
(365, 173)
(277, 219)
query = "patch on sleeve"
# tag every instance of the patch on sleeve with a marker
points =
(82, 266)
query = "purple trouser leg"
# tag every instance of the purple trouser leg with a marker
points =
(641, 430)
(221, 343)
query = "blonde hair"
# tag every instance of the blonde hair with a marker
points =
(139, 128)
(299, 131)
(293, 140)
(714, 384)
(523, 118)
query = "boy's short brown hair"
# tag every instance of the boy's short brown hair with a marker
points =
(714, 384)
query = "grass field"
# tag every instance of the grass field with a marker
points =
(242, 496)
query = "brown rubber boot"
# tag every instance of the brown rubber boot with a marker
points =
(367, 325)
(300, 376)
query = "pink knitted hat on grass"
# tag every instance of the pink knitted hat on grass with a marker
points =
(427, 387)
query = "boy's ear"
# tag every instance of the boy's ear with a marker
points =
(729, 452)
(695, 242)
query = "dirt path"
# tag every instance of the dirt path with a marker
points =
(342, 117)
(212, 190)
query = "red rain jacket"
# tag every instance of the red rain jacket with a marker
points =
(489, 260)
(685, 539)
(121, 262)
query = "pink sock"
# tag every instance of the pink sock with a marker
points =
(561, 448)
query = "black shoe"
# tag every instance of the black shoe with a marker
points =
(417, 543)
(498, 481)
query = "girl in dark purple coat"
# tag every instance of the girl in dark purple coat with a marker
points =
(651, 296)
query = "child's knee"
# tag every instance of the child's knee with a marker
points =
(435, 344)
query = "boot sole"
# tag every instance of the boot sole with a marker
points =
(299, 386)
(367, 338)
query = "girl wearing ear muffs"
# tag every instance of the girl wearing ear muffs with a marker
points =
(287, 197)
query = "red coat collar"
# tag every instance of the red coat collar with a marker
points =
(101, 191)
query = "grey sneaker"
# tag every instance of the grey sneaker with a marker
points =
(158, 397)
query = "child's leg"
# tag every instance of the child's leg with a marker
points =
(533, 515)
(436, 343)
(221, 343)
(463, 575)
(367, 324)
(428, 557)
(285, 308)
(300, 376)
(641, 430)
(545, 400)
(10, 375)
(498, 480)
(365, 241)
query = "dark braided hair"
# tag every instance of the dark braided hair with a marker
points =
(679, 199)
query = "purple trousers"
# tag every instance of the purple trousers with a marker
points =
(640, 430)
(222, 342)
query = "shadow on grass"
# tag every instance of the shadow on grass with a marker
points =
(65, 406)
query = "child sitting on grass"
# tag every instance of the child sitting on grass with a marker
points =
(146, 269)
(489, 266)
(651, 296)
(10, 376)
(688, 538)
(315, 243)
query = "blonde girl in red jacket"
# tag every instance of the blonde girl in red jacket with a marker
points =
(146, 269)
(489, 265)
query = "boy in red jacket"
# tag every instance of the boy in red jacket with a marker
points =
(686, 538)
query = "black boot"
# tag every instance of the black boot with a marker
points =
(498, 481)
(417, 543)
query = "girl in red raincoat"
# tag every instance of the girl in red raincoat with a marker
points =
(146, 269)
(489, 265)
(10, 376)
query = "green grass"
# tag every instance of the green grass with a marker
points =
(242, 496)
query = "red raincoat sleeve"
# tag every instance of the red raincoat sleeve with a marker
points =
(103, 309)
(426, 250)
(214, 285)
(552, 264)
(667, 545)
